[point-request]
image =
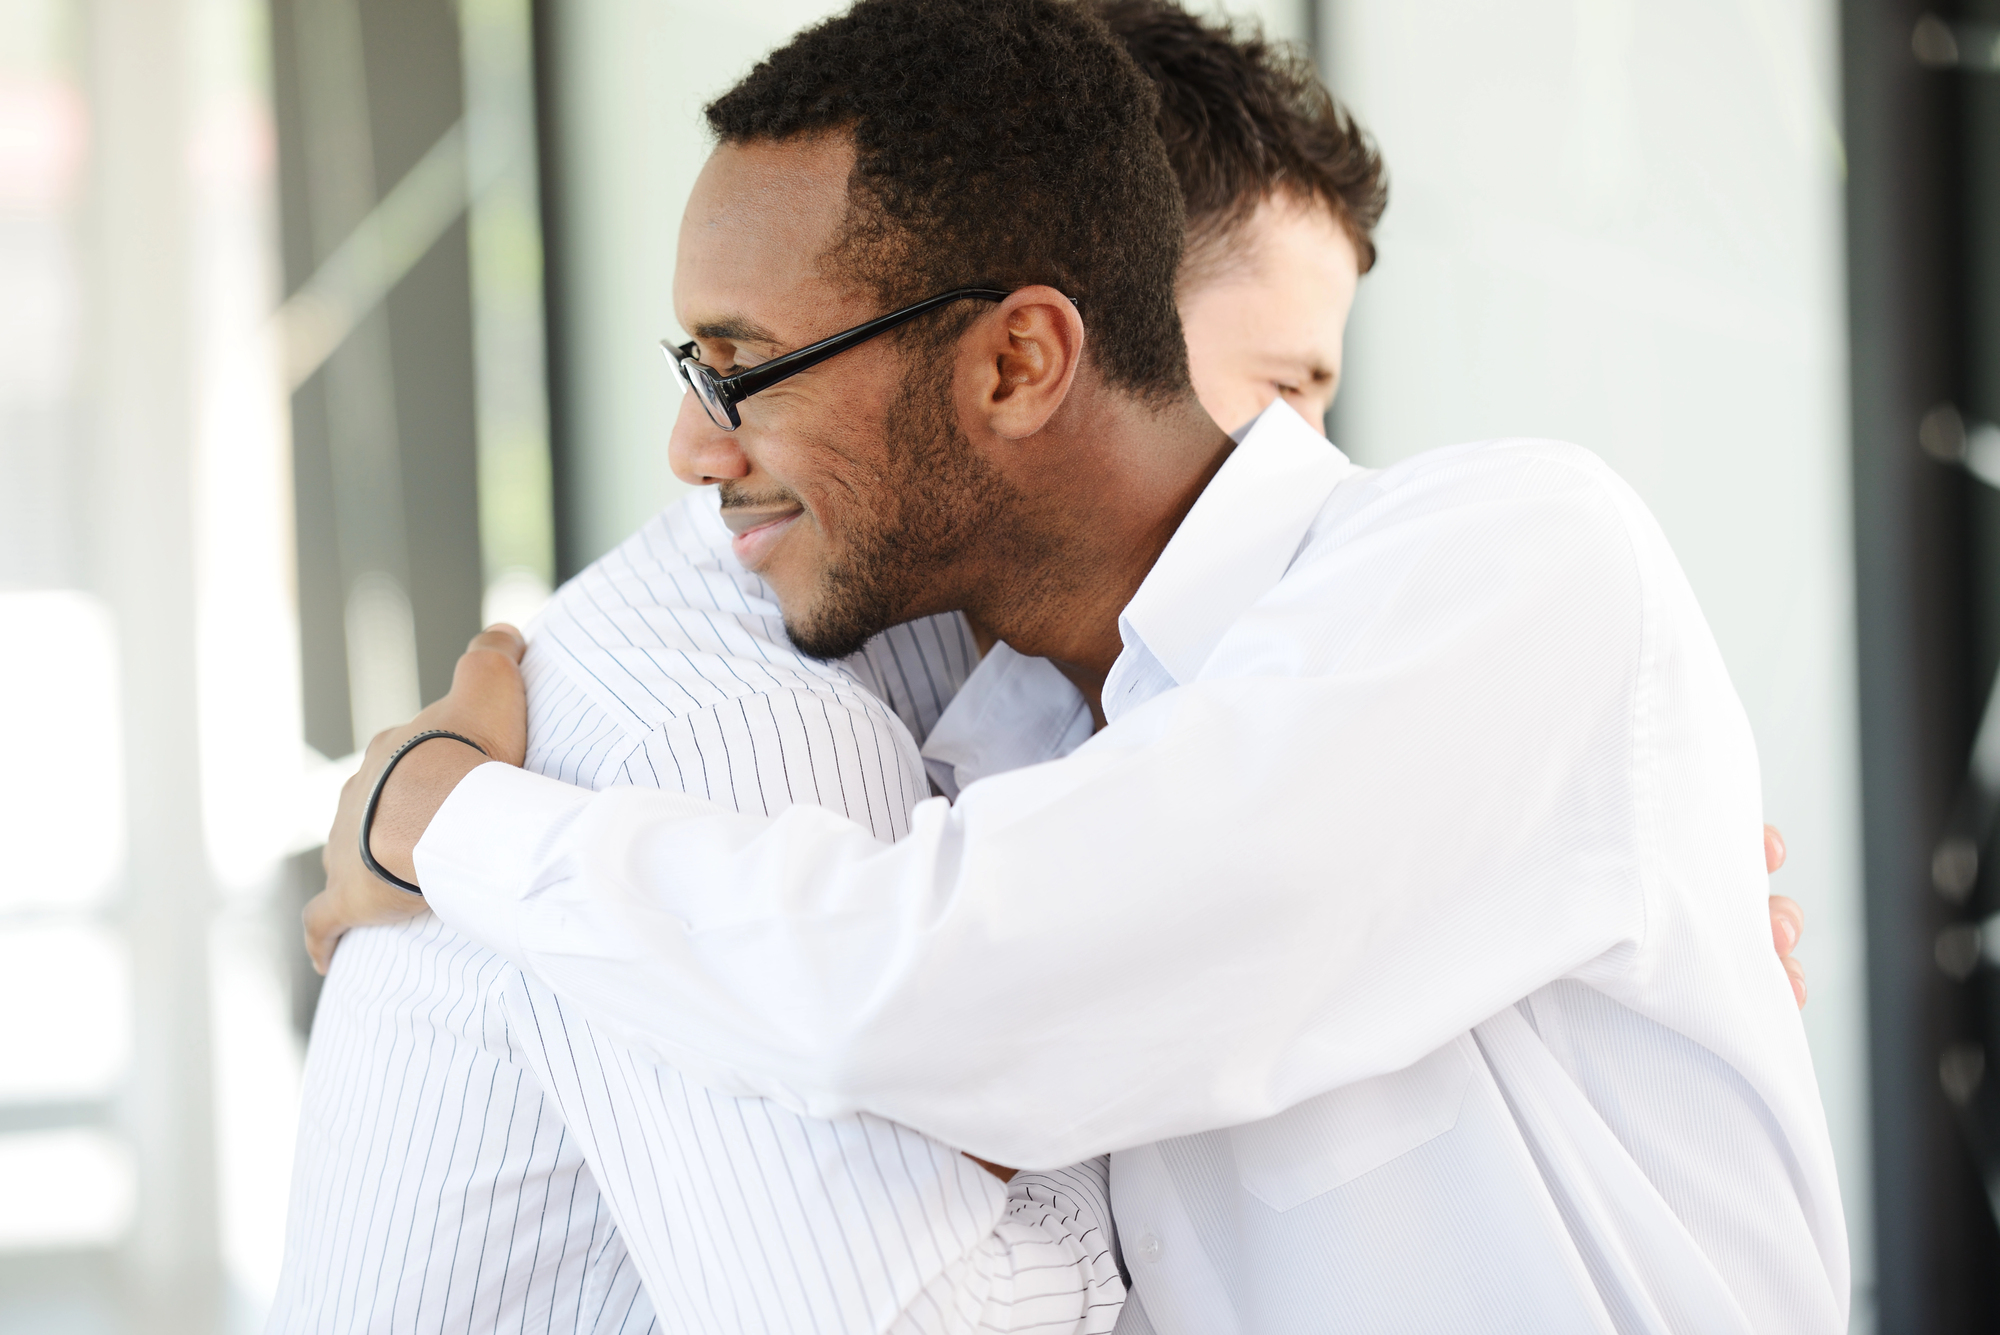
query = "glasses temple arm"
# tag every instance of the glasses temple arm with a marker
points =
(745, 383)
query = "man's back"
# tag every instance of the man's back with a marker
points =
(1626, 1134)
(435, 1188)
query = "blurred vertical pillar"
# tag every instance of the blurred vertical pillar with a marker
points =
(356, 388)
(369, 96)
(1935, 1242)
(510, 325)
(140, 373)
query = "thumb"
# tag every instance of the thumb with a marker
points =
(488, 699)
(501, 638)
(490, 665)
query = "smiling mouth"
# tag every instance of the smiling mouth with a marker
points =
(756, 530)
(749, 518)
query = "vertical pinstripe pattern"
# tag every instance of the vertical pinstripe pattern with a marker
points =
(756, 1219)
(458, 1122)
(435, 1188)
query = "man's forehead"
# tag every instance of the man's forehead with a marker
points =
(760, 217)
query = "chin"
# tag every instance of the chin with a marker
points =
(828, 644)
(839, 617)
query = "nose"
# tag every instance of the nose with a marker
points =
(700, 452)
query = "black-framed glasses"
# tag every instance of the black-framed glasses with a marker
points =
(719, 394)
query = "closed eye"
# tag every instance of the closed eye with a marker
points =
(715, 363)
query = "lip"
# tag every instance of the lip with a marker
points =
(756, 531)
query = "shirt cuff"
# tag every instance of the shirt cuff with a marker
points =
(497, 838)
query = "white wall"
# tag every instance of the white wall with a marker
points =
(1620, 224)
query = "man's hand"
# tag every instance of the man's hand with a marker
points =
(1788, 920)
(488, 704)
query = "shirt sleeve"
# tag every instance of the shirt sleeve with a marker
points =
(1404, 793)
(741, 1216)
(1023, 1276)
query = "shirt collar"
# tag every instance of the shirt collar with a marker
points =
(1236, 542)
(1011, 712)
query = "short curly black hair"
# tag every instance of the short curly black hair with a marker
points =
(998, 143)
(1244, 117)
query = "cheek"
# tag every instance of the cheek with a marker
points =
(1228, 391)
(1231, 398)
(838, 480)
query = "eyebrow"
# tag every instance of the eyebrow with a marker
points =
(735, 329)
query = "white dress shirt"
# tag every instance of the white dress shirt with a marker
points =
(467, 1141)
(1404, 927)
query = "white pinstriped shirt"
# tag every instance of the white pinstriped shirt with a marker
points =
(467, 1141)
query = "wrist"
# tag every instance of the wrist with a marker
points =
(410, 799)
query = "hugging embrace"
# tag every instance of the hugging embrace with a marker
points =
(1040, 840)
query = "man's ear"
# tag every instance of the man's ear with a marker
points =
(1018, 364)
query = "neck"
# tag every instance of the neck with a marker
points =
(1093, 525)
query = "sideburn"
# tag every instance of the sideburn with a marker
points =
(937, 501)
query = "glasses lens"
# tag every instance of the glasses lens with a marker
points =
(707, 386)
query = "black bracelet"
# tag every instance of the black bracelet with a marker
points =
(375, 799)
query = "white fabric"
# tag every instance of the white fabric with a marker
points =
(434, 1189)
(451, 1107)
(1405, 925)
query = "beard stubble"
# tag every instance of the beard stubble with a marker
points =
(936, 500)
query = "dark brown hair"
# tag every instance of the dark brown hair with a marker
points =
(1243, 118)
(998, 143)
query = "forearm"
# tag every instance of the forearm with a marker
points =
(416, 788)
(1246, 892)
(1034, 1009)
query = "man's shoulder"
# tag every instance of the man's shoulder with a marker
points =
(1506, 466)
(1513, 492)
(1537, 532)
(667, 624)
(679, 558)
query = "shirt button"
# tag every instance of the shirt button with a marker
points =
(1148, 1249)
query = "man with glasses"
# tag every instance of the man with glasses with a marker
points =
(442, 1179)
(762, 523)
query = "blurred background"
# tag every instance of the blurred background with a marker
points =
(328, 331)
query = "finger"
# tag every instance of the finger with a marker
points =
(322, 929)
(486, 675)
(501, 638)
(1797, 973)
(1788, 924)
(1774, 848)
